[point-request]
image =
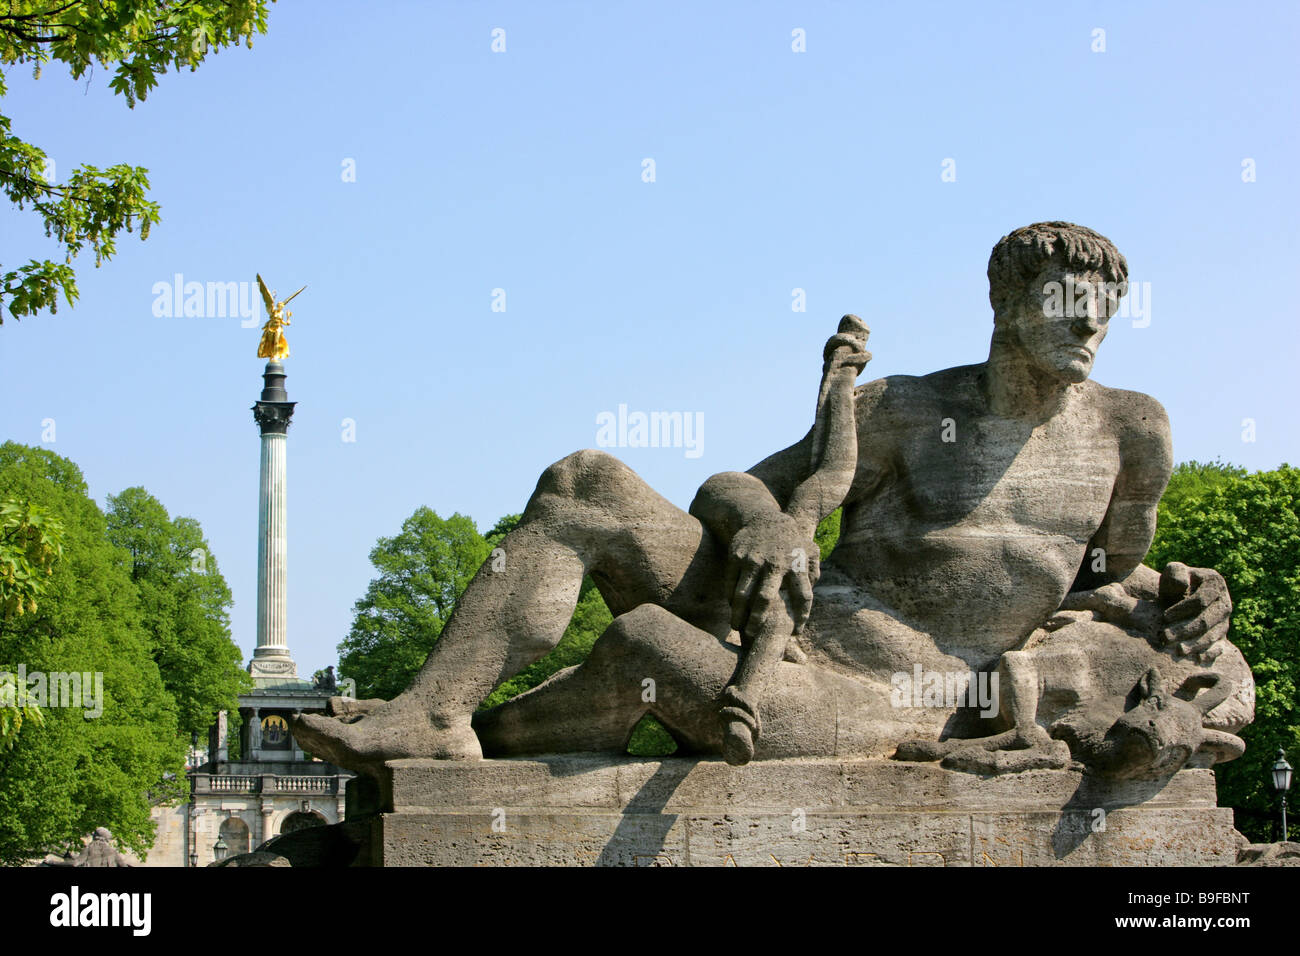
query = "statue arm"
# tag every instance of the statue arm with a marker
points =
(746, 512)
(733, 500)
(1188, 608)
(1116, 551)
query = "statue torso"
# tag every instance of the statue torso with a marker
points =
(970, 525)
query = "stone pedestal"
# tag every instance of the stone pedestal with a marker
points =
(596, 810)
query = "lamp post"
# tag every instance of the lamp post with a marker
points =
(219, 848)
(1282, 783)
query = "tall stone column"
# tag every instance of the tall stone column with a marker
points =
(271, 661)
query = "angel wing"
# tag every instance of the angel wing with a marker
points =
(266, 295)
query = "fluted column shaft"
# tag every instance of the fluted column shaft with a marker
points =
(272, 546)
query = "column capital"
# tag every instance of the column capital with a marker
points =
(273, 409)
(273, 417)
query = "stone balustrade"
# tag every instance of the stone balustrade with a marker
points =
(268, 783)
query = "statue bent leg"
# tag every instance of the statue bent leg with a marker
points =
(649, 661)
(589, 514)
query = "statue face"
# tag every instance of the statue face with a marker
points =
(1061, 321)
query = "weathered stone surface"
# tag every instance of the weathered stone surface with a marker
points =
(555, 782)
(1141, 836)
(1269, 854)
(591, 810)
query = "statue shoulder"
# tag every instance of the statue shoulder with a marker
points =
(1141, 425)
(907, 392)
(1136, 414)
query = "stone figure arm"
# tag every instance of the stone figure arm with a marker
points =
(1188, 607)
(746, 512)
(757, 537)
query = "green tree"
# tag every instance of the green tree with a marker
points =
(1195, 479)
(502, 528)
(140, 40)
(1247, 527)
(30, 544)
(81, 769)
(185, 603)
(828, 533)
(422, 571)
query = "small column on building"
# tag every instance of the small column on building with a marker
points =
(271, 659)
(267, 812)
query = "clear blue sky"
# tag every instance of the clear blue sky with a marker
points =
(522, 171)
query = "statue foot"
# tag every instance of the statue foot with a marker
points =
(1011, 751)
(921, 751)
(1053, 756)
(350, 708)
(928, 751)
(741, 726)
(364, 742)
(737, 743)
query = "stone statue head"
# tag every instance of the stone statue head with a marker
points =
(1153, 738)
(1053, 287)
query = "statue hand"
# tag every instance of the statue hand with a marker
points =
(1197, 608)
(1110, 603)
(769, 558)
(845, 352)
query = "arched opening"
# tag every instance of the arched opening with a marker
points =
(299, 820)
(234, 833)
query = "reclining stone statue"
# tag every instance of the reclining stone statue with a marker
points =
(995, 517)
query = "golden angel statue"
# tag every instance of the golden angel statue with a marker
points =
(274, 345)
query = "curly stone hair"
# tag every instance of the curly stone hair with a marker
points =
(1020, 255)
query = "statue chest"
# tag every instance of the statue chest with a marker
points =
(1005, 479)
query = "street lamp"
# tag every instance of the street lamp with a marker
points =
(219, 848)
(1282, 783)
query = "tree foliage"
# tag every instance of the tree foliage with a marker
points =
(422, 571)
(828, 533)
(1195, 479)
(140, 40)
(1247, 527)
(185, 603)
(31, 541)
(78, 771)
